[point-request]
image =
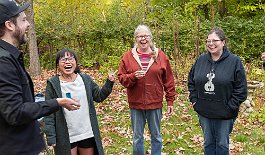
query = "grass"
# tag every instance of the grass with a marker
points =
(181, 133)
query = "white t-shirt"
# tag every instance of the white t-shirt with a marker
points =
(78, 121)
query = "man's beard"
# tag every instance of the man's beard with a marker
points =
(19, 36)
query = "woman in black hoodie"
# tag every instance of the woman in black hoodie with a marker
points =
(217, 85)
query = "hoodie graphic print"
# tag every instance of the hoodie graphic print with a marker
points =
(209, 86)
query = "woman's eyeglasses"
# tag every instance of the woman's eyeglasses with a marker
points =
(143, 37)
(70, 59)
(214, 41)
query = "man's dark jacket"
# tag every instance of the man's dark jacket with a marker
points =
(19, 131)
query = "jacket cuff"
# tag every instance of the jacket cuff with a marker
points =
(193, 100)
(133, 77)
(51, 141)
(54, 102)
(110, 83)
(170, 103)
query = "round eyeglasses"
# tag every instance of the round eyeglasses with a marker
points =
(143, 37)
(214, 41)
(70, 59)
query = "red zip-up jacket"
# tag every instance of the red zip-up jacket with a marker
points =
(147, 92)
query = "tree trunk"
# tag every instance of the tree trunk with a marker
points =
(34, 67)
(222, 8)
(206, 11)
(213, 16)
(146, 3)
(176, 51)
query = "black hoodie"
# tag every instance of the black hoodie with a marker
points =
(217, 87)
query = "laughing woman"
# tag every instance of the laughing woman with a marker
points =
(146, 73)
(75, 132)
(217, 85)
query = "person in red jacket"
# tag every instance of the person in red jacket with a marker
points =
(146, 73)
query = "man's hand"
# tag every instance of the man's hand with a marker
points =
(169, 110)
(68, 103)
(53, 145)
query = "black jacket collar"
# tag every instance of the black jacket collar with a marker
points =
(224, 55)
(10, 48)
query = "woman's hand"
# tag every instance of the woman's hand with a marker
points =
(139, 74)
(111, 75)
(169, 110)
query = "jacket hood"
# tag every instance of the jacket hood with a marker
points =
(224, 55)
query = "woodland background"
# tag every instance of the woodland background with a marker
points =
(100, 31)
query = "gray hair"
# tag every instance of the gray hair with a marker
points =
(144, 28)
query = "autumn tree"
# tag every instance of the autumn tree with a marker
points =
(34, 67)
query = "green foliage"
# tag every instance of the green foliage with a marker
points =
(250, 8)
(112, 63)
(179, 90)
(262, 140)
(103, 28)
(241, 138)
(244, 35)
(47, 60)
(259, 115)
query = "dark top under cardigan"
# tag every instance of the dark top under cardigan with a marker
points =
(55, 124)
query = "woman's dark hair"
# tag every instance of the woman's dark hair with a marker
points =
(219, 32)
(61, 54)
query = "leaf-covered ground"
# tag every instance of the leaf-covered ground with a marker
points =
(181, 132)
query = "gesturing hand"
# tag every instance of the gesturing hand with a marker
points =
(68, 103)
(111, 75)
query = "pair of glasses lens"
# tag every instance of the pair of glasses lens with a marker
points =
(214, 41)
(143, 36)
(64, 59)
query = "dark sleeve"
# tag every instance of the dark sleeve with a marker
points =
(13, 108)
(49, 121)
(239, 93)
(98, 94)
(191, 85)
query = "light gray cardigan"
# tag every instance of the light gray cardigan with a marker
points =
(55, 124)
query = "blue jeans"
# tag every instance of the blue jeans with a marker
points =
(138, 118)
(216, 135)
